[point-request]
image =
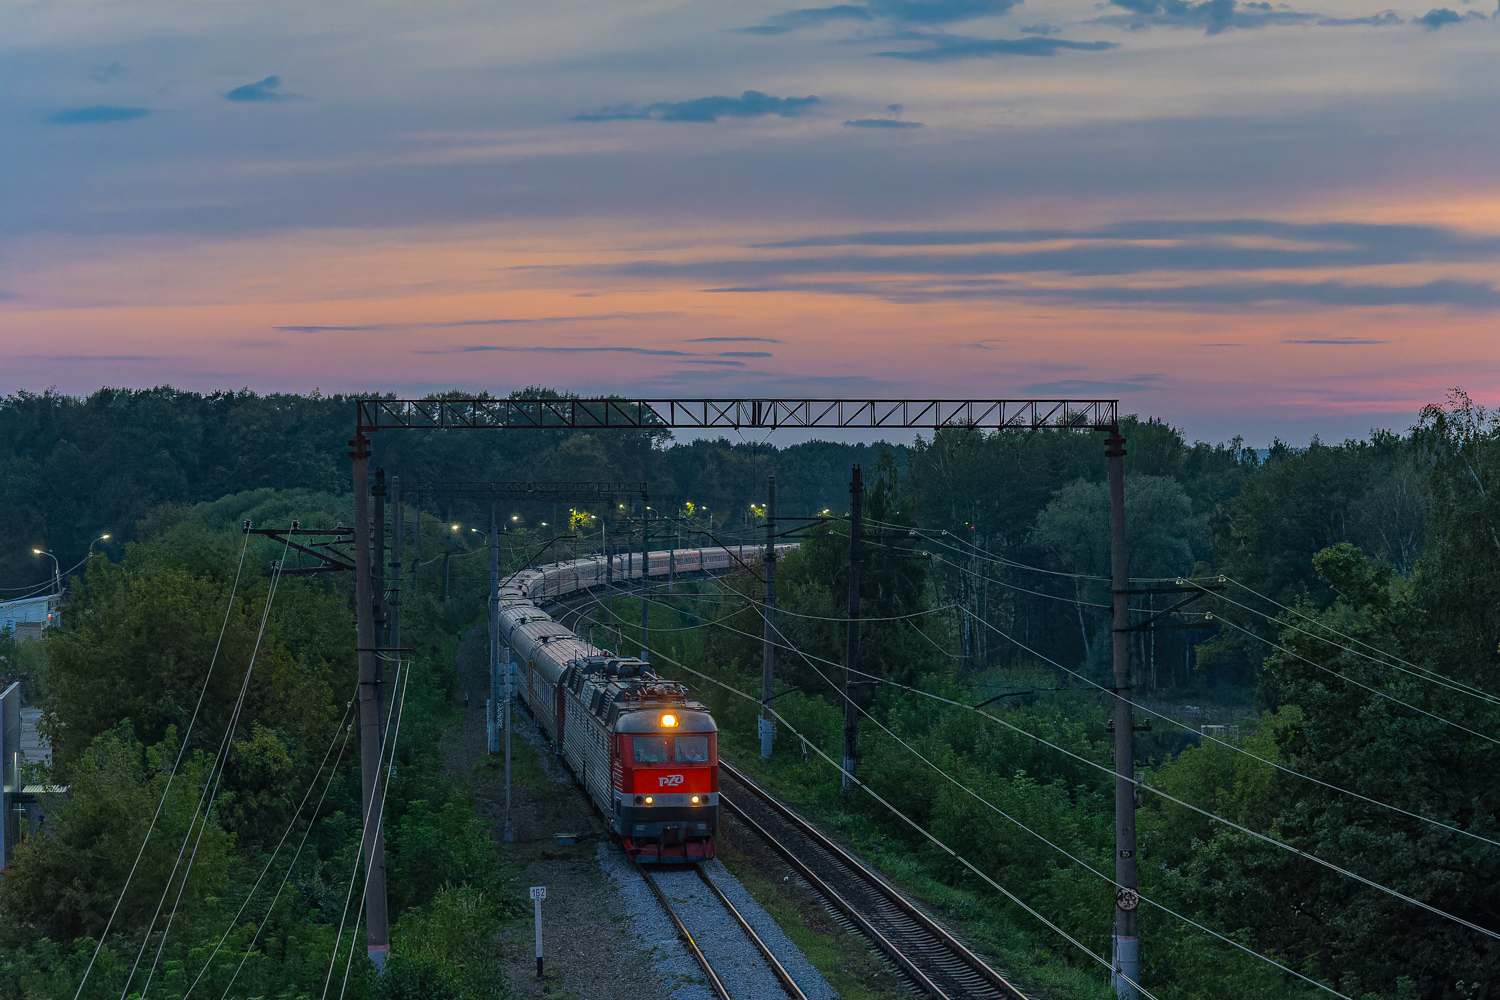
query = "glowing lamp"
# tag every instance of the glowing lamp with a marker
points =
(669, 721)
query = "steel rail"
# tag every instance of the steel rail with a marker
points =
(925, 926)
(787, 981)
(682, 932)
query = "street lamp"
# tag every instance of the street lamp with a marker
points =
(56, 570)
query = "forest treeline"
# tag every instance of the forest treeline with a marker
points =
(1354, 642)
(74, 468)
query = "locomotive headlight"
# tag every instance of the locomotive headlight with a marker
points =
(648, 800)
(669, 721)
(695, 800)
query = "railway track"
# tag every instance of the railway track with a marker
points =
(933, 960)
(725, 965)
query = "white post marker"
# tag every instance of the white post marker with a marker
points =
(538, 893)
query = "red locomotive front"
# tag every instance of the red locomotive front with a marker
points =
(665, 765)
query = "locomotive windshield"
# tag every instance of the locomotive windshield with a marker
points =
(692, 749)
(661, 749)
(652, 749)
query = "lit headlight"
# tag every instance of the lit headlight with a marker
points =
(695, 800)
(669, 721)
(648, 800)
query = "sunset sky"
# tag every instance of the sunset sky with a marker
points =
(1245, 218)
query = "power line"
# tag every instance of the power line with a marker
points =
(219, 944)
(1079, 861)
(1142, 708)
(1012, 586)
(1359, 684)
(392, 734)
(818, 618)
(1420, 673)
(206, 799)
(176, 764)
(379, 833)
(1187, 805)
(917, 827)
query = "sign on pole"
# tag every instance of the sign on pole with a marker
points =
(538, 893)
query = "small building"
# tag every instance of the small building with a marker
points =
(30, 615)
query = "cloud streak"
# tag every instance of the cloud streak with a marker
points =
(97, 114)
(750, 104)
(880, 123)
(265, 91)
(452, 324)
(946, 48)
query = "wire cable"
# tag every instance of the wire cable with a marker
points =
(1351, 638)
(1065, 853)
(1188, 805)
(1359, 684)
(176, 765)
(1420, 673)
(206, 799)
(918, 827)
(1012, 586)
(392, 734)
(1139, 707)
(379, 832)
(219, 944)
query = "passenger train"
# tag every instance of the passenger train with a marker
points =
(644, 751)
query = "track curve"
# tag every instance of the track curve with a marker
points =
(932, 958)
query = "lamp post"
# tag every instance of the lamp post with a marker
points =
(56, 568)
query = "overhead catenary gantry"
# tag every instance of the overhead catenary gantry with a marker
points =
(571, 413)
(620, 413)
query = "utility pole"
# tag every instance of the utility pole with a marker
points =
(768, 640)
(509, 693)
(1127, 957)
(377, 927)
(377, 566)
(398, 546)
(851, 654)
(645, 575)
(492, 704)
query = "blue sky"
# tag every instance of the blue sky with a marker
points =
(1244, 217)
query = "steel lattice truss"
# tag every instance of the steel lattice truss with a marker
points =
(663, 414)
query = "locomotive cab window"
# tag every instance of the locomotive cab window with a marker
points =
(652, 749)
(692, 749)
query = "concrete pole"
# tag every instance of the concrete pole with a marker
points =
(493, 705)
(377, 565)
(851, 653)
(768, 637)
(645, 577)
(1127, 962)
(509, 693)
(398, 550)
(377, 927)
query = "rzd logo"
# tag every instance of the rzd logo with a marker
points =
(669, 780)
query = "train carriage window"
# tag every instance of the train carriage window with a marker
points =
(651, 749)
(692, 749)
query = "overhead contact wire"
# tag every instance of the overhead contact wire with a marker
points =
(176, 765)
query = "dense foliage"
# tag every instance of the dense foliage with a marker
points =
(121, 687)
